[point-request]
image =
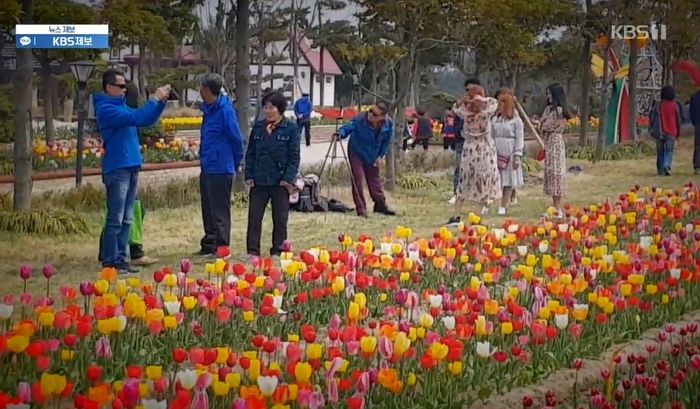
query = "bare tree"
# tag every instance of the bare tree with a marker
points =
(23, 137)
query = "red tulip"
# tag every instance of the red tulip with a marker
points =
(577, 364)
(94, 373)
(527, 402)
(179, 355)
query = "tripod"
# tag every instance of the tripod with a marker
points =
(332, 155)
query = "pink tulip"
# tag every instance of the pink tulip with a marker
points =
(24, 392)
(53, 344)
(353, 347)
(9, 299)
(362, 384)
(576, 330)
(87, 288)
(304, 398)
(386, 348)
(25, 272)
(103, 349)
(26, 299)
(48, 271)
(430, 338)
(239, 403)
(331, 384)
(130, 391)
(223, 315)
(185, 265)
(334, 322)
(255, 262)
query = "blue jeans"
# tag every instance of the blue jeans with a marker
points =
(120, 188)
(664, 154)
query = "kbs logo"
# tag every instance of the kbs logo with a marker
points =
(644, 31)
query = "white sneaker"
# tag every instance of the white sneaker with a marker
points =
(452, 200)
(484, 211)
(514, 200)
(501, 211)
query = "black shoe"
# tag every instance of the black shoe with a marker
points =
(667, 171)
(384, 210)
(454, 221)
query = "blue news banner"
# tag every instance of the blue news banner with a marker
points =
(66, 41)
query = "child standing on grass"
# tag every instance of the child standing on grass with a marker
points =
(450, 129)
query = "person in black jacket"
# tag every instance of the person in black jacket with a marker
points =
(271, 168)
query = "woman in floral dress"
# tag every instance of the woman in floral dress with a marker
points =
(479, 178)
(552, 125)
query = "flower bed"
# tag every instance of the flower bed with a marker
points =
(385, 322)
(62, 154)
(573, 124)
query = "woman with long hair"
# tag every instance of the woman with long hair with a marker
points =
(509, 136)
(479, 178)
(552, 125)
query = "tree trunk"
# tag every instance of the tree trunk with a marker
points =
(401, 91)
(23, 138)
(632, 87)
(142, 75)
(600, 145)
(49, 130)
(415, 85)
(242, 73)
(293, 50)
(321, 73)
(585, 89)
(259, 80)
(375, 81)
(514, 79)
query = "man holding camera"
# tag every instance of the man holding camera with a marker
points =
(370, 135)
(122, 161)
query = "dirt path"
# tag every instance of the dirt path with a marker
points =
(561, 382)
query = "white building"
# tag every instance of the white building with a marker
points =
(279, 75)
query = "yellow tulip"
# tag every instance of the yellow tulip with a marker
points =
(248, 316)
(338, 285)
(220, 388)
(154, 372)
(353, 311)
(455, 368)
(102, 286)
(651, 289)
(368, 344)
(169, 322)
(189, 302)
(67, 354)
(411, 379)
(480, 326)
(254, 369)
(506, 328)
(17, 343)
(438, 351)
(361, 300)
(401, 344)
(314, 351)
(46, 319)
(302, 372)
(233, 380)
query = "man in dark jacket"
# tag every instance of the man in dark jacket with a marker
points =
(370, 135)
(694, 114)
(121, 161)
(220, 157)
(302, 110)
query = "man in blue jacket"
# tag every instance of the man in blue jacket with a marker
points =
(694, 115)
(302, 110)
(370, 135)
(121, 161)
(220, 157)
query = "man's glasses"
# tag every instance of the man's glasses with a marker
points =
(375, 114)
(122, 86)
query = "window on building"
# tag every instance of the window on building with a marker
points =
(114, 54)
(303, 74)
(329, 79)
(318, 78)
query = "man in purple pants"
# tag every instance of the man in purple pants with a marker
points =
(370, 135)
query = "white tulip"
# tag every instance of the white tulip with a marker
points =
(231, 279)
(385, 248)
(561, 320)
(435, 300)
(563, 228)
(267, 384)
(6, 311)
(315, 252)
(594, 274)
(483, 349)
(154, 404)
(513, 228)
(414, 255)
(173, 307)
(449, 323)
(277, 301)
(499, 233)
(187, 378)
(675, 273)
(544, 246)
(522, 251)
(645, 242)
(122, 322)
(689, 227)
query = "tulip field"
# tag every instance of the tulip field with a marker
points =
(379, 321)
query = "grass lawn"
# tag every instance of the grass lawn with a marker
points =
(172, 234)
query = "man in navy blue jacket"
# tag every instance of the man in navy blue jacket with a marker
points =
(302, 110)
(220, 157)
(694, 115)
(121, 161)
(370, 135)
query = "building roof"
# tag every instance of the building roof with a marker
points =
(313, 56)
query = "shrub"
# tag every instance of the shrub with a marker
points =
(7, 117)
(42, 222)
